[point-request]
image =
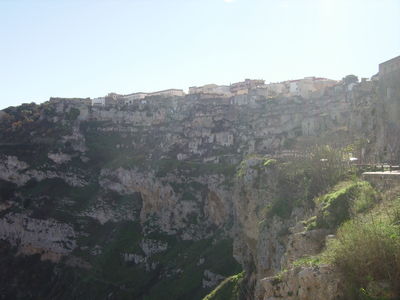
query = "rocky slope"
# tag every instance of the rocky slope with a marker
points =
(167, 196)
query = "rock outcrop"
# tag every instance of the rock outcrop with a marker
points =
(305, 283)
(49, 238)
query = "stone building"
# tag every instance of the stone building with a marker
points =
(389, 86)
(389, 67)
(100, 101)
(113, 96)
(130, 98)
(389, 76)
(169, 92)
(271, 90)
(110, 99)
(294, 87)
(211, 89)
(307, 86)
(243, 87)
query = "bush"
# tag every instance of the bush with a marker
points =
(367, 251)
(301, 179)
(365, 199)
(73, 114)
(345, 199)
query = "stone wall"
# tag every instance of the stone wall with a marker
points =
(382, 180)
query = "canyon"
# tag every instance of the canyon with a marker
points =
(165, 199)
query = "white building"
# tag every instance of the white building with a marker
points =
(308, 85)
(294, 89)
(101, 101)
(135, 96)
(271, 89)
(168, 93)
(129, 99)
(211, 89)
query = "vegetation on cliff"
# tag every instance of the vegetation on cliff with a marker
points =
(231, 288)
(342, 201)
(358, 225)
(301, 179)
(367, 251)
(366, 246)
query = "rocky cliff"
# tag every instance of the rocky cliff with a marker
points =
(167, 196)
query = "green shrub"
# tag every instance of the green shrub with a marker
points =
(346, 198)
(308, 261)
(311, 223)
(301, 179)
(73, 114)
(270, 162)
(367, 251)
(365, 199)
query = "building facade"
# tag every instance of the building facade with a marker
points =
(130, 98)
(389, 67)
(389, 79)
(307, 86)
(168, 93)
(243, 87)
(211, 89)
(100, 101)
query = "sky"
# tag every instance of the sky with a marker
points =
(88, 48)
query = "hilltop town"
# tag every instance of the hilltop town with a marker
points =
(306, 87)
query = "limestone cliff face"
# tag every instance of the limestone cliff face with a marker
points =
(305, 283)
(19, 172)
(267, 244)
(155, 192)
(49, 238)
(169, 209)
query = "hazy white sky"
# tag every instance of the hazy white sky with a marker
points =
(87, 48)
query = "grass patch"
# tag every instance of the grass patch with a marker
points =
(269, 162)
(229, 289)
(301, 179)
(309, 261)
(346, 199)
(367, 252)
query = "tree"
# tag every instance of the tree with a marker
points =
(350, 79)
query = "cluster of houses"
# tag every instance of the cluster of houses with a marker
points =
(305, 87)
(238, 88)
(112, 98)
(301, 87)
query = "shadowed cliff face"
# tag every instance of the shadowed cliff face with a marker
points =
(145, 200)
